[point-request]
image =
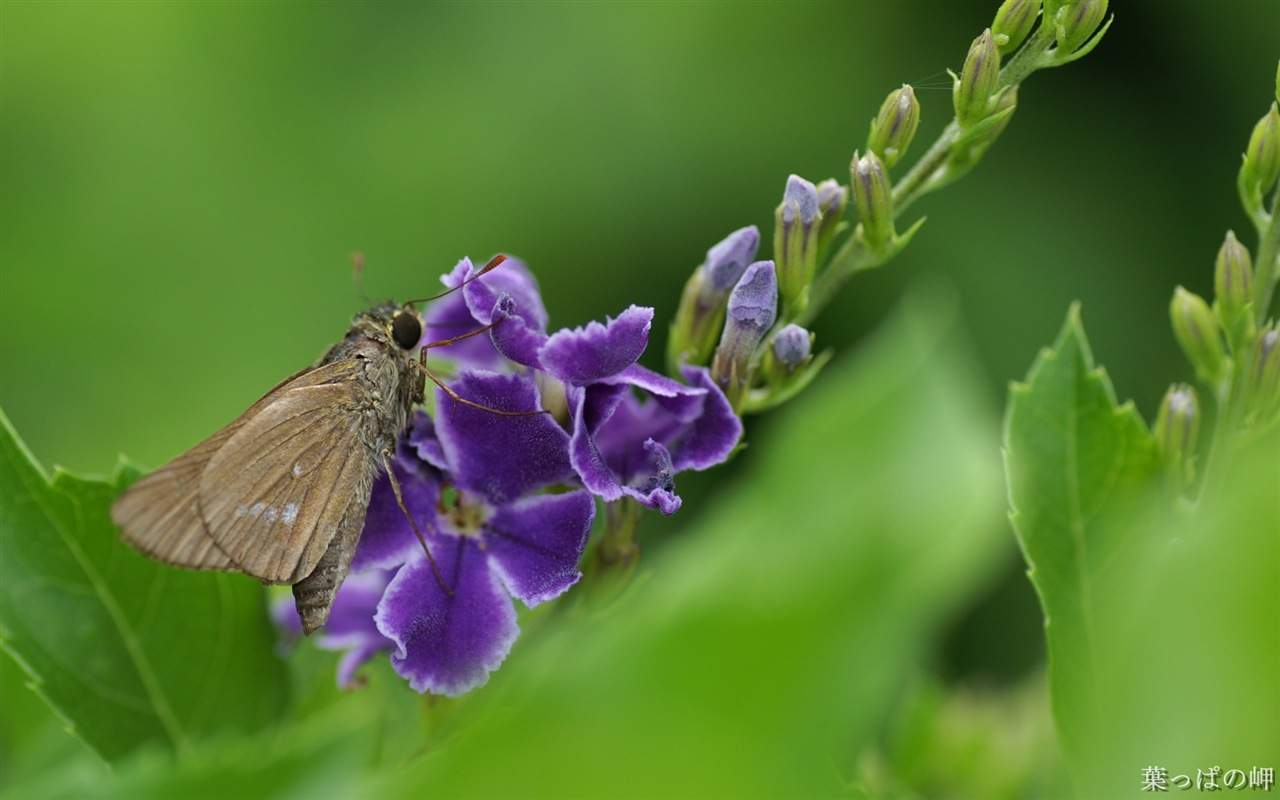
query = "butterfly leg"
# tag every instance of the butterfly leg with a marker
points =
(413, 525)
(457, 398)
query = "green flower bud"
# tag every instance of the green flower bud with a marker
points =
(895, 126)
(1177, 427)
(1197, 333)
(873, 197)
(1263, 392)
(795, 241)
(1233, 282)
(1078, 21)
(1014, 20)
(1262, 158)
(978, 80)
(833, 199)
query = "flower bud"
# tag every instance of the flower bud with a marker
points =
(832, 201)
(978, 80)
(795, 241)
(1197, 333)
(1263, 390)
(752, 310)
(1262, 158)
(1233, 282)
(728, 259)
(791, 346)
(1077, 22)
(1014, 20)
(873, 197)
(701, 312)
(1177, 427)
(895, 126)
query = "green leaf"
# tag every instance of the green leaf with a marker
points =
(763, 646)
(1076, 460)
(128, 651)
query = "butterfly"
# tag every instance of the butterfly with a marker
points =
(281, 493)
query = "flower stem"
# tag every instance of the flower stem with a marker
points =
(617, 550)
(923, 177)
(1268, 255)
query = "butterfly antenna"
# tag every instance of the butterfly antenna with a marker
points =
(413, 524)
(357, 275)
(493, 264)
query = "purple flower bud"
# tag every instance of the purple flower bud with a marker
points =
(700, 315)
(753, 304)
(795, 240)
(799, 201)
(791, 346)
(728, 259)
(832, 201)
(753, 308)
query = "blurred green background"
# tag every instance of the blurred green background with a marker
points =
(183, 185)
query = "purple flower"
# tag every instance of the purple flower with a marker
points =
(509, 295)
(624, 445)
(491, 533)
(350, 627)
(497, 497)
(473, 481)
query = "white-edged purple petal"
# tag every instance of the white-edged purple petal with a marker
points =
(643, 471)
(535, 543)
(511, 278)
(423, 442)
(595, 351)
(654, 485)
(708, 440)
(515, 337)
(682, 402)
(498, 456)
(508, 296)
(591, 407)
(447, 643)
(449, 317)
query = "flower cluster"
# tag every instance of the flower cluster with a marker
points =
(505, 502)
(1232, 344)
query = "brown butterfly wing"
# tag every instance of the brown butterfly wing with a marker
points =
(159, 514)
(273, 495)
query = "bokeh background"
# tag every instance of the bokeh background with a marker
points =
(183, 185)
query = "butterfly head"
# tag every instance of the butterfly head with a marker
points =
(393, 323)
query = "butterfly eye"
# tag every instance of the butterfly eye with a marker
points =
(406, 329)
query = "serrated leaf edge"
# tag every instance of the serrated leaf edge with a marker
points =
(146, 672)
